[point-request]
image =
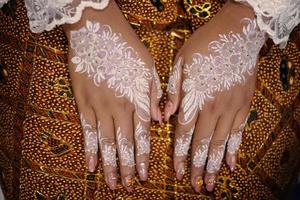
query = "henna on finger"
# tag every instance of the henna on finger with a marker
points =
(201, 152)
(108, 149)
(235, 139)
(182, 143)
(142, 137)
(90, 143)
(126, 150)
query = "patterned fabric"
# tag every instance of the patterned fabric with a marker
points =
(41, 140)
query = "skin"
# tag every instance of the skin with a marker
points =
(224, 114)
(101, 104)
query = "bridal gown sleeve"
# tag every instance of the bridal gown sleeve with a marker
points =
(276, 17)
(46, 14)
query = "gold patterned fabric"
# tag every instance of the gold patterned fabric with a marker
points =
(41, 142)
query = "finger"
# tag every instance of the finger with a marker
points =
(239, 123)
(183, 137)
(174, 89)
(205, 126)
(235, 138)
(88, 123)
(217, 148)
(124, 133)
(156, 94)
(142, 146)
(108, 149)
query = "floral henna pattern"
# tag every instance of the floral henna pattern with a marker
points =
(232, 57)
(235, 139)
(174, 76)
(215, 159)
(104, 56)
(200, 156)
(90, 136)
(108, 149)
(142, 138)
(126, 150)
(183, 143)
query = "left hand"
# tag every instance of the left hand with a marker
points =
(215, 74)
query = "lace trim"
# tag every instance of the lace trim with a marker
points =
(45, 15)
(2, 2)
(277, 17)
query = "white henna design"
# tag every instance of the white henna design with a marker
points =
(142, 138)
(182, 143)
(235, 139)
(157, 83)
(232, 57)
(215, 159)
(105, 56)
(200, 156)
(173, 78)
(90, 136)
(108, 149)
(126, 150)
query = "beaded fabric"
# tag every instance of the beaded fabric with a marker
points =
(41, 139)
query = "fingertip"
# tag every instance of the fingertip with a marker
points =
(111, 180)
(143, 171)
(231, 161)
(128, 182)
(168, 110)
(210, 180)
(197, 183)
(180, 170)
(92, 162)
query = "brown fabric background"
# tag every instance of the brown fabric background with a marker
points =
(41, 147)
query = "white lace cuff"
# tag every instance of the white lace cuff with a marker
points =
(2, 2)
(46, 14)
(276, 17)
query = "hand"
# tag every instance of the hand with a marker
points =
(115, 85)
(214, 74)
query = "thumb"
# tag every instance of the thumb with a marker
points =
(174, 89)
(155, 96)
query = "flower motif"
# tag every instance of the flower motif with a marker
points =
(104, 56)
(142, 138)
(232, 57)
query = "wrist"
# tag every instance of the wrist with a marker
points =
(240, 10)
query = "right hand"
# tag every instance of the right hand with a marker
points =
(117, 91)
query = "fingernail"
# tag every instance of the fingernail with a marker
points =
(180, 171)
(128, 183)
(92, 164)
(232, 163)
(210, 184)
(111, 181)
(198, 183)
(168, 110)
(143, 171)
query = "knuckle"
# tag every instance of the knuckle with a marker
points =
(123, 105)
(217, 142)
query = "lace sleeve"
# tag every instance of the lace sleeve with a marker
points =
(2, 2)
(276, 17)
(46, 14)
